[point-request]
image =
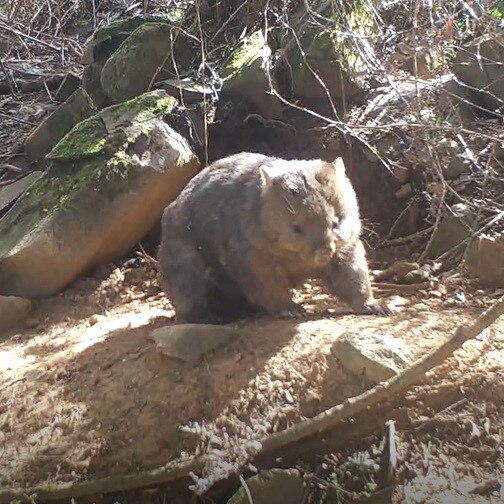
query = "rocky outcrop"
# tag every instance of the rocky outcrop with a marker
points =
(108, 182)
(245, 74)
(479, 66)
(145, 57)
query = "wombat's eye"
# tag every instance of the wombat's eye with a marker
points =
(297, 229)
(335, 222)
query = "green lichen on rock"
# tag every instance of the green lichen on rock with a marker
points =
(246, 59)
(122, 28)
(332, 51)
(90, 137)
(89, 156)
(54, 190)
(146, 107)
(245, 74)
(176, 16)
(135, 116)
(84, 140)
(141, 58)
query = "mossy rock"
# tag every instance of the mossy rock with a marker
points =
(92, 84)
(479, 65)
(244, 73)
(108, 182)
(104, 43)
(330, 53)
(107, 40)
(53, 128)
(143, 58)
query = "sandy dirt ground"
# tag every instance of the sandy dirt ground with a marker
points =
(84, 393)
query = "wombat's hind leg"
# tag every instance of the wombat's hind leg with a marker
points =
(187, 282)
(349, 280)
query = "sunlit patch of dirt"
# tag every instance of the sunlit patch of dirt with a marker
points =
(85, 393)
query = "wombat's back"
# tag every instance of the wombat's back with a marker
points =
(221, 204)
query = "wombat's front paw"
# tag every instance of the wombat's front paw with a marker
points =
(374, 307)
(294, 311)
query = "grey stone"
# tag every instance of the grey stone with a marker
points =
(375, 357)
(244, 73)
(192, 92)
(190, 342)
(47, 134)
(9, 193)
(273, 486)
(143, 58)
(478, 64)
(485, 259)
(456, 166)
(451, 231)
(68, 85)
(336, 61)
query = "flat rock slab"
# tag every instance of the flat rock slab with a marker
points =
(50, 131)
(13, 311)
(274, 486)
(376, 358)
(190, 342)
(9, 193)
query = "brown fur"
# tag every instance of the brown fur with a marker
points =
(249, 228)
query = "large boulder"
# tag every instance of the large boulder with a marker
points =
(324, 60)
(244, 73)
(479, 65)
(108, 182)
(104, 43)
(145, 57)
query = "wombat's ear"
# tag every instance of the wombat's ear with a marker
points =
(326, 173)
(266, 178)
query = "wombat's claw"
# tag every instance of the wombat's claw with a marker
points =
(296, 311)
(376, 308)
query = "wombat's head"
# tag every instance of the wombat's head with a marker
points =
(309, 210)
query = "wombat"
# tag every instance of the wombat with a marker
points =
(249, 227)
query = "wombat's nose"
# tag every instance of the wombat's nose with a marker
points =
(323, 256)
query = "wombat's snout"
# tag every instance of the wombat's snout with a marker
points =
(324, 255)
